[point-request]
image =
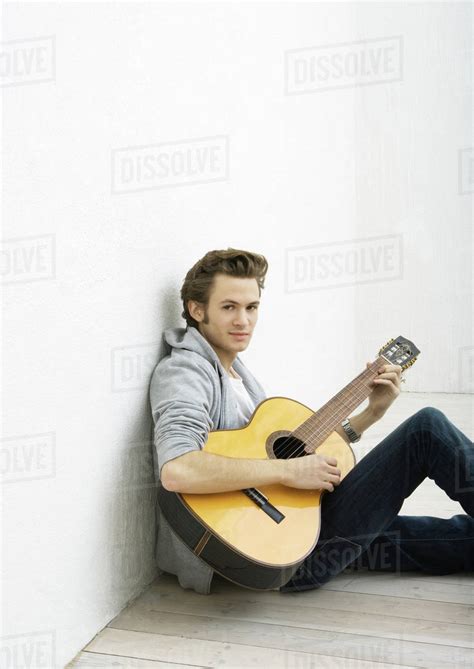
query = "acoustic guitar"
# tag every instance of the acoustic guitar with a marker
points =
(258, 538)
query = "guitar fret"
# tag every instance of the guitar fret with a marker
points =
(324, 421)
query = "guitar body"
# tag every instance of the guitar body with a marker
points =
(234, 535)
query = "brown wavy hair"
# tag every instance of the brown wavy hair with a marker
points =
(233, 262)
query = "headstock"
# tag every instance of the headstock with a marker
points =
(400, 351)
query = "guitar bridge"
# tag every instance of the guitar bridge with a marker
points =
(260, 500)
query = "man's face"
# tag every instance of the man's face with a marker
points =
(232, 310)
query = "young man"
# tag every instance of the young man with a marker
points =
(203, 385)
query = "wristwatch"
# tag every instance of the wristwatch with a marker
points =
(352, 434)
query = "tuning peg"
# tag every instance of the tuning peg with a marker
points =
(385, 345)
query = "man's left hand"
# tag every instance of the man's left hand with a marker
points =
(385, 389)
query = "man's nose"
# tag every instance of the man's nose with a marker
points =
(241, 317)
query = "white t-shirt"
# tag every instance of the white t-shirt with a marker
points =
(243, 402)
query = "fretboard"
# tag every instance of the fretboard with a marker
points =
(324, 421)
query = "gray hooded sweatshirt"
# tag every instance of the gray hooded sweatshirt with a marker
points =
(190, 394)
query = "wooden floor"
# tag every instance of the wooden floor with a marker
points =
(359, 620)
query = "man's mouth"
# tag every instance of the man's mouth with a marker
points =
(240, 335)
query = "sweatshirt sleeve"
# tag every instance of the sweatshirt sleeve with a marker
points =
(182, 398)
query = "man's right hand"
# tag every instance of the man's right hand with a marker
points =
(312, 472)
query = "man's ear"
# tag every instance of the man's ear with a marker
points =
(196, 309)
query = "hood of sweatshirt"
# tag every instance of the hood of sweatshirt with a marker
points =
(192, 340)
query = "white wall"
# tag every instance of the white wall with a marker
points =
(410, 139)
(92, 259)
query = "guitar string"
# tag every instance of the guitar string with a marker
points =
(325, 419)
(303, 434)
(293, 443)
(366, 374)
(325, 424)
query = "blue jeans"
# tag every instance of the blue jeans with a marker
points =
(360, 527)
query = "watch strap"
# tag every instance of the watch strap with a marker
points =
(351, 433)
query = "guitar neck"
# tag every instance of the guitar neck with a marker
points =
(324, 421)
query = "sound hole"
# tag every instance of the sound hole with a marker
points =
(288, 447)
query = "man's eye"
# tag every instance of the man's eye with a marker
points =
(228, 306)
